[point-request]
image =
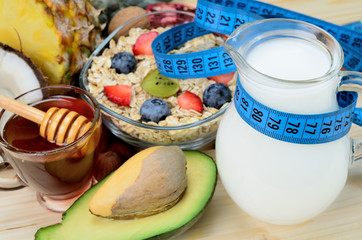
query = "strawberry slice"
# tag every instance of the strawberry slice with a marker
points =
(190, 101)
(143, 44)
(224, 78)
(119, 94)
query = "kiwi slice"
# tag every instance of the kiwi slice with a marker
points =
(160, 86)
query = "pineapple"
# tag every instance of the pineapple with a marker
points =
(58, 35)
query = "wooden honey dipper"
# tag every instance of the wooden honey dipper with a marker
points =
(58, 125)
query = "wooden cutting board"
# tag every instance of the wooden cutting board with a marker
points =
(21, 215)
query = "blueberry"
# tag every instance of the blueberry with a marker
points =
(154, 110)
(124, 62)
(216, 95)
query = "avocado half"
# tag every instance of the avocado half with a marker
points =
(78, 223)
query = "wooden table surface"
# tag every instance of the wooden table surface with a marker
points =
(21, 215)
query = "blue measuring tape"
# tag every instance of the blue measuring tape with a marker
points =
(206, 63)
(224, 16)
(296, 128)
(355, 26)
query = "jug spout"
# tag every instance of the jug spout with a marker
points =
(245, 38)
(239, 41)
(231, 47)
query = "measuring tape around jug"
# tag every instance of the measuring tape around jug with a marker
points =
(224, 16)
(296, 128)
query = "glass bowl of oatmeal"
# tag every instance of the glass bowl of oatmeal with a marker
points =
(190, 129)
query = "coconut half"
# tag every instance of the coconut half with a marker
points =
(18, 74)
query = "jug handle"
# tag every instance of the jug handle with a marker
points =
(353, 82)
(8, 177)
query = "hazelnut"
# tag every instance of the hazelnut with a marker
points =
(123, 16)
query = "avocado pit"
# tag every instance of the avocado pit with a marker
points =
(150, 182)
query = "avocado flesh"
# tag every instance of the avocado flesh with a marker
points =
(78, 223)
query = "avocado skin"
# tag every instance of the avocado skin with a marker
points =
(50, 232)
(187, 226)
(182, 229)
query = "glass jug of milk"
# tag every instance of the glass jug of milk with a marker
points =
(293, 67)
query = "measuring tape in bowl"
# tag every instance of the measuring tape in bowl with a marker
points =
(224, 16)
(212, 62)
